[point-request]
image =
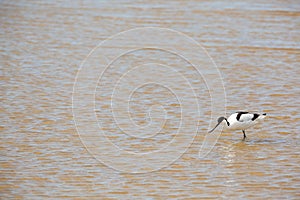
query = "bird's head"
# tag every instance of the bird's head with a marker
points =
(220, 119)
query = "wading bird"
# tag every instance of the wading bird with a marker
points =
(240, 121)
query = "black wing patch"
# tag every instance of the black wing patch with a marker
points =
(240, 114)
(255, 116)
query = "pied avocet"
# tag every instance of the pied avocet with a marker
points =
(240, 121)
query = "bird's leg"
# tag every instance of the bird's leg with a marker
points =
(244, 135)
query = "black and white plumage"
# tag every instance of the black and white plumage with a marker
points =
(240, 121)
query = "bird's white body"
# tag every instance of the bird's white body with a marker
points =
(243, 120)
(240, 121)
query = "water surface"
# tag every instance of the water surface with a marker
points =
(255, 46)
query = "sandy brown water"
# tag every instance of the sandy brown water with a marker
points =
(255, 46)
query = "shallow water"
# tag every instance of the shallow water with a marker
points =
(256, 48)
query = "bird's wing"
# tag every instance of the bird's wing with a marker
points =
(244, 117)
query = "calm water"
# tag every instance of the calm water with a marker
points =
(255, 46)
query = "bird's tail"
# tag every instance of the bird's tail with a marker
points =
(262, 116)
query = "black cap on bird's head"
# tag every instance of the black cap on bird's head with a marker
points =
(220, 119)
